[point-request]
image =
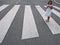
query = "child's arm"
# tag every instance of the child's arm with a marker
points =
(49, 6)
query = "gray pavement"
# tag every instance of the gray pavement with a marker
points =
(14, 34)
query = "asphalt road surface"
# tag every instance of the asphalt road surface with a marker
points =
(22, 22)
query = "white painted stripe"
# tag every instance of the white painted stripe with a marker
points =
(45, 5)
(53, 26)
(56, 7)
(29, 26)
(56, 2)
(3, 7)
(6, 21)
(56, 12)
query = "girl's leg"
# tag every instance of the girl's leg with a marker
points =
(48, 18)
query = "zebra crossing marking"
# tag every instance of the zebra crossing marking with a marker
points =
(29, 26)
(53, 26)
(56, 7)
(3, 7)
(56, 12)
(45, 6)
(6, 21)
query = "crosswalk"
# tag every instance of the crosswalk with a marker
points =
(53, 26)
(56, 12)
(7, 20)
(57, 7)
(29, 26)
(3, 7)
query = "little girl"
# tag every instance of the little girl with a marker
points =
(48, 11)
